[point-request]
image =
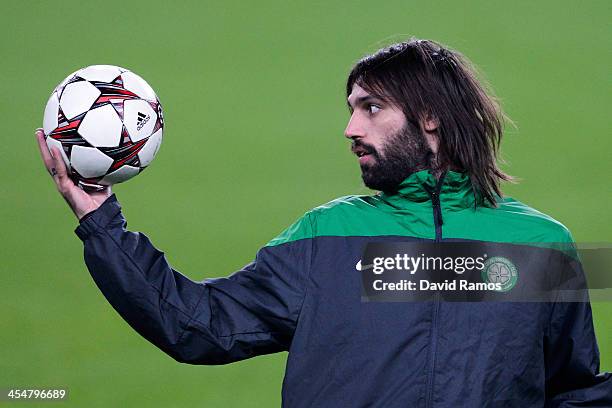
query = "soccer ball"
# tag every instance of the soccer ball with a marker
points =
(107, 123)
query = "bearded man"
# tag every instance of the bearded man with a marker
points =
(426, 133)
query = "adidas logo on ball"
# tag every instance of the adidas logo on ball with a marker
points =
(141, 120)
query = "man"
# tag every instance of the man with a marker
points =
(426, 133)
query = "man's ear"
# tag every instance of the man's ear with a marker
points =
(429, 126)
(430, 123)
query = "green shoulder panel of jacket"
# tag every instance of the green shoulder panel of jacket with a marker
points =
(409, 212)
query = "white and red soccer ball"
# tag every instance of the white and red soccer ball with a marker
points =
(107, 123)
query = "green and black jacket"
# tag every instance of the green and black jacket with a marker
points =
(303, 294)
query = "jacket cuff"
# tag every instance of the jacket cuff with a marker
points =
(99, 218)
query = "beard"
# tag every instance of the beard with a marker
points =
(403, 153)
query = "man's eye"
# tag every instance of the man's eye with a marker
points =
(373, 108)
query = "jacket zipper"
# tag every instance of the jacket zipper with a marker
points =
(437, 216)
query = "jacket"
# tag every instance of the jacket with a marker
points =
(301, 294)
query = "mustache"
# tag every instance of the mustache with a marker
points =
(360, 147)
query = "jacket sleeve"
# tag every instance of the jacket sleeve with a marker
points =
(571, 353)
(217, 321)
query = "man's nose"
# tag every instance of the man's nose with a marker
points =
(354, 128)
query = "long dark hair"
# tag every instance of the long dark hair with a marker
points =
(427, 80)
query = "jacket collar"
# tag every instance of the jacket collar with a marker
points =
(455, 190)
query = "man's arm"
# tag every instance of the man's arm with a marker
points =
(571, 353)
(252, 312)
